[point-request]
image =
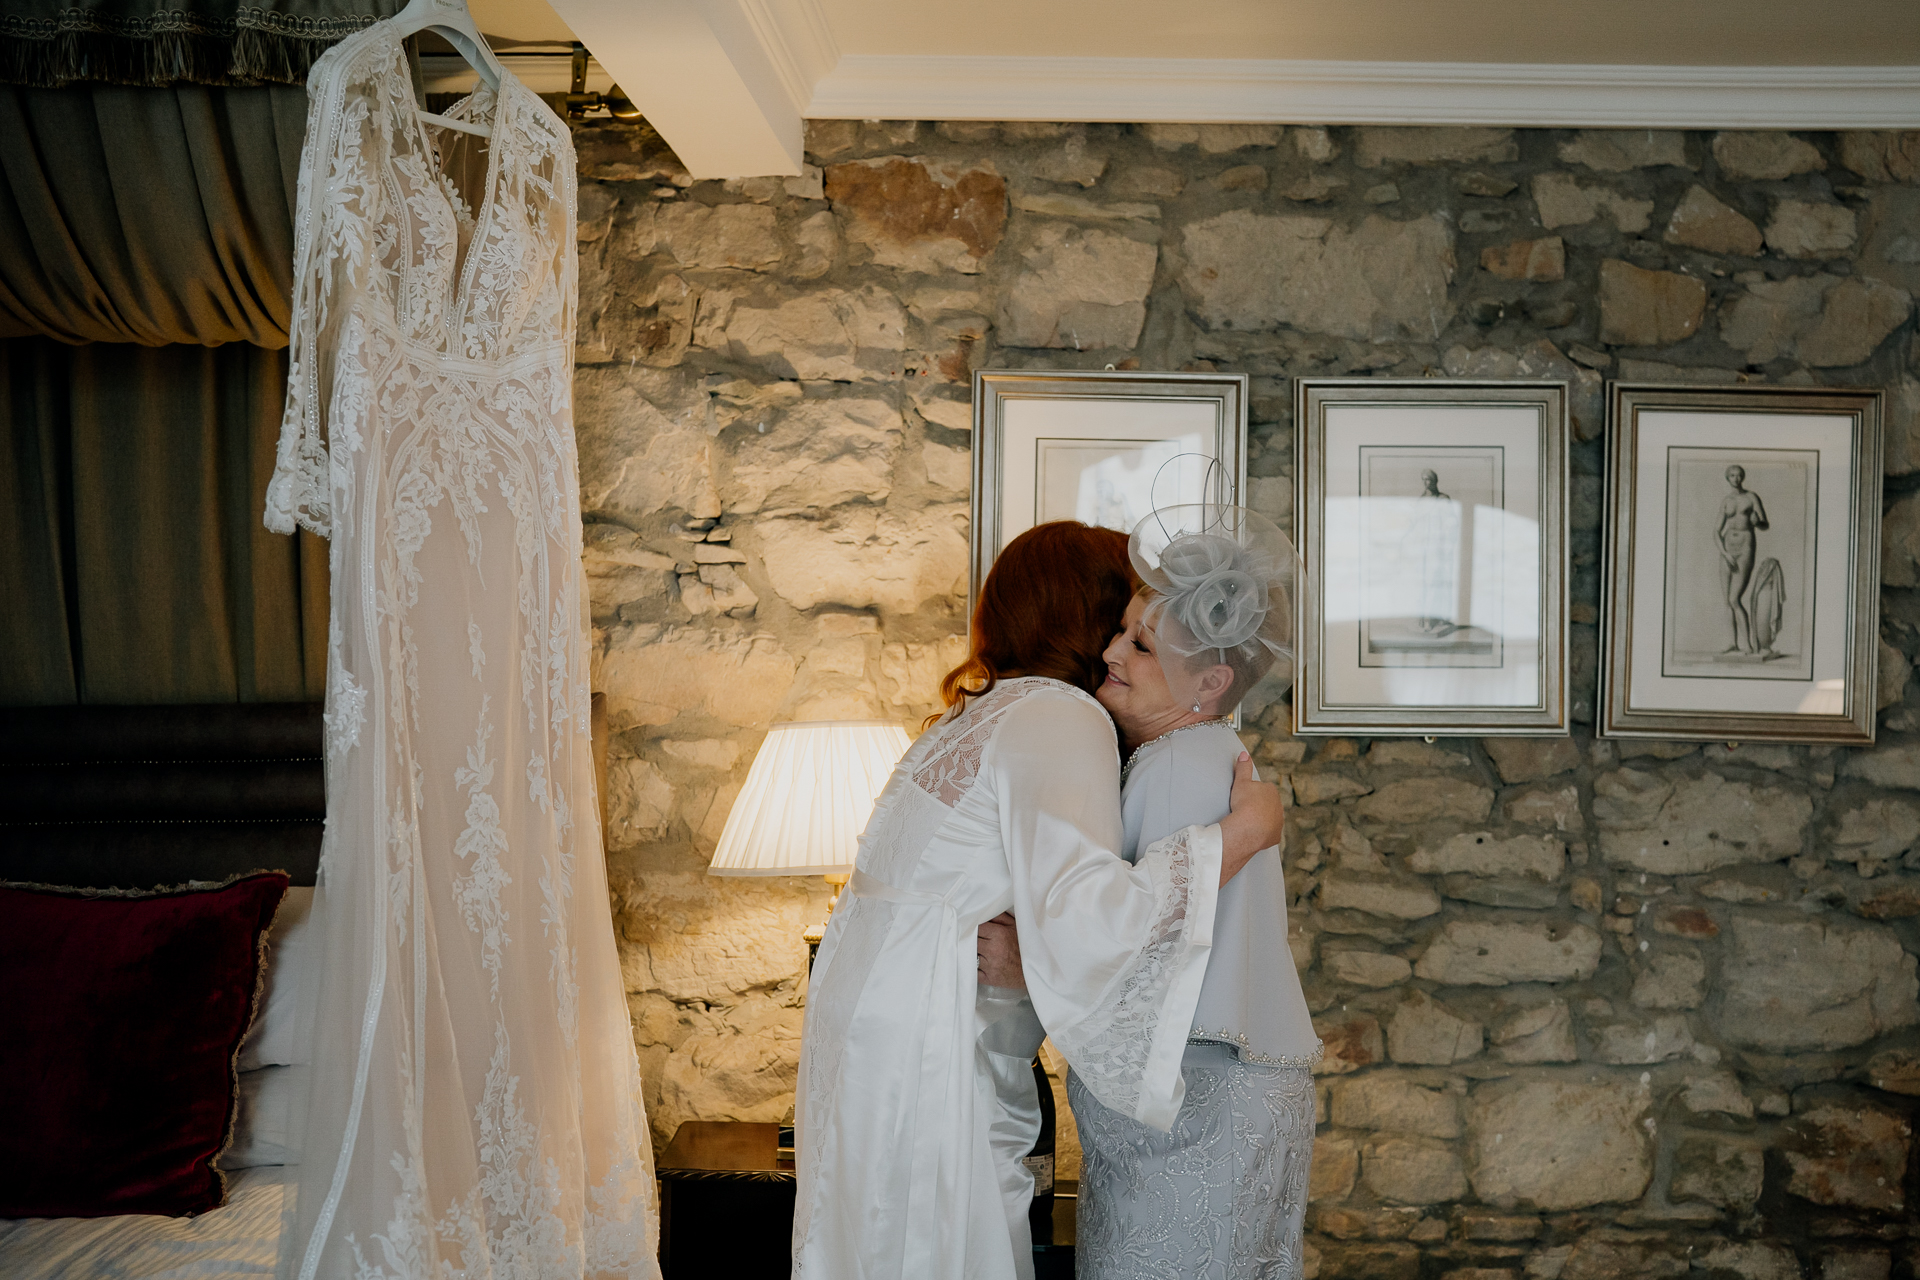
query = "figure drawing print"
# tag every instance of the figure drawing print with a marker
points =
(1739, 557)
(1427, 582)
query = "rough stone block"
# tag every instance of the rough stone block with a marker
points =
(1316, 786)
(654, 674)
(1638, 1043)
(1717, 1094)
(1641, 308)
(1347, 1222)
(1397, 1101)
(1793, 985)
(1352, 1041)
(1559, 809)
(866, 558)
(1895, 1071)
(1536, 260)
(727, 235)
(1083, 289)
(1702, 823)
(1804, 229)
(1882, 156)
(1855, 1264)
(1495, 953)
(1367, 968)
(1899, 567)
(1617, 1255)
(919, 214)
(1435, 146)
(1382, 280)
(1543, 1033)
(1826, 321)
(1701, 222)
(1531, 759)
(821, 453)
(829, 335)
(1398, 899)
(1670, 980)
(1877, 829)
(1416, 800)
(1563, 202)
(1482, 853)
(1421, 755)
(1336, 1166)
(1412, 1170)
(1752, 1260)
(1765, 155)
(1423, 1031)
(1890, 764)
(1559, 1143)
(1071, 164)
(1618, 150)
(1849, 1157)
(1384, 1261)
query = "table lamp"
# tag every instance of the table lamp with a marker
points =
(807, 799)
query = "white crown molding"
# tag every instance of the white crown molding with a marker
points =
(1202, 90)
(797, 40)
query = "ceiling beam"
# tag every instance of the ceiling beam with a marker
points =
(724, 81)
(1223, 90)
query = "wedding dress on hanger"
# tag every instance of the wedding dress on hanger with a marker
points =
(476, 1102)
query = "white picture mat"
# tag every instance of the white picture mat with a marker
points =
(1505, 556)
(1659, 430)
(1105, 451)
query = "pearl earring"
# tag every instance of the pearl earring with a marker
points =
(1196, 707)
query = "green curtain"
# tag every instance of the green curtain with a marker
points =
(148, 215)
(133, 564)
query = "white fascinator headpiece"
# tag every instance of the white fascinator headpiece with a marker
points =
(1220, 584)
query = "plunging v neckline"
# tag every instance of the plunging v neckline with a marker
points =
(483, 210)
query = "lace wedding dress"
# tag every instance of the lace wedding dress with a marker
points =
(476, 1102)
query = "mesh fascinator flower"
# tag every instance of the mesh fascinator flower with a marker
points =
(1220, 582)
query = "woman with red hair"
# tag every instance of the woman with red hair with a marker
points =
(910, 1111)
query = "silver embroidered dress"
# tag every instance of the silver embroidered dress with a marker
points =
(476, 1104)
(1221, 1196)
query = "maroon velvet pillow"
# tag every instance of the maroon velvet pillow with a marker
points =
(120, 1015)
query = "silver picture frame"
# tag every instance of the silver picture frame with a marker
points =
(1090, 445)
(1741, 577)
(1432, 524)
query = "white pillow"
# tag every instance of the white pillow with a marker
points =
(273, 1112)
(282, 1031)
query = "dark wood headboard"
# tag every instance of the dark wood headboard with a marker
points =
(134, 797)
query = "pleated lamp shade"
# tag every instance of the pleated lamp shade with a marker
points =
(808, 798)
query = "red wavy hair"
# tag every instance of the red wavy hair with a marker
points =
(1049, 606)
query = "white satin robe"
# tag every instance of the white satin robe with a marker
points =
(908, 1150)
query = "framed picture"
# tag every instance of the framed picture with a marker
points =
(1100, 447)
(1432, 522)
(1743, 564)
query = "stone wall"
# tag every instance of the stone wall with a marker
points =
(1592, 1008)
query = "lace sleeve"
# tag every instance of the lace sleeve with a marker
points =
(332, 183)
(1114, 954)
(1127, 1048)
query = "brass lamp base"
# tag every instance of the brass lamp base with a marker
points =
(813, 933)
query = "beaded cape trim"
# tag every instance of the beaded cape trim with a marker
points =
(1126, 769)
(1237, 1040)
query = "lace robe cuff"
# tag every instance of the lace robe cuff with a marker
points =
(1128, 1048)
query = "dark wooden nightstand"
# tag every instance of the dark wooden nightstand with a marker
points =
(726, 1202)
(726, 1207)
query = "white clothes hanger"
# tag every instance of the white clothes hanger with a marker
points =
(450, 20)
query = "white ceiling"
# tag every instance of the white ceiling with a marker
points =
(1665, 32)
(729, 82)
